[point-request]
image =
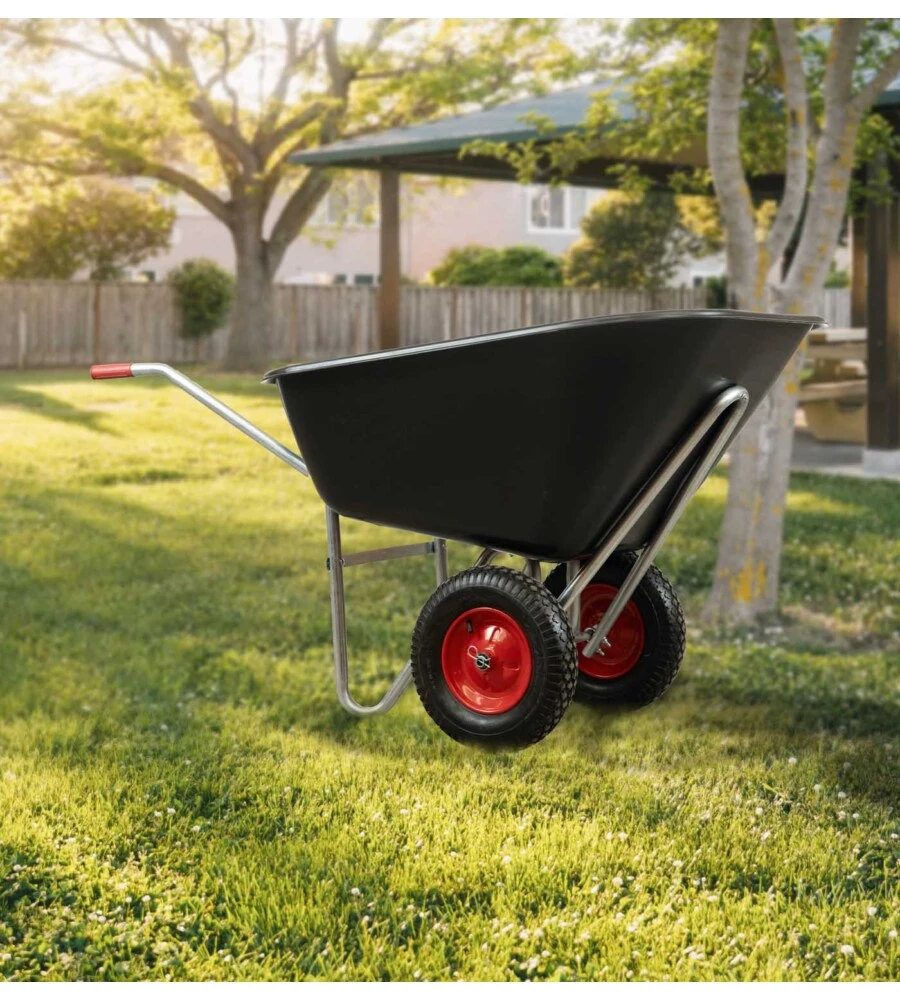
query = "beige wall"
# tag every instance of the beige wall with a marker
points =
(435, 219)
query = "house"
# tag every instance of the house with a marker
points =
(341, 243)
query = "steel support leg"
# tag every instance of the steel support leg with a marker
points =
(727, 409)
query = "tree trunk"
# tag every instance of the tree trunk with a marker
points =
(749, 556)
(251, 316)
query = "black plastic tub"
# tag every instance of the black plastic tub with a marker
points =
(531, 441)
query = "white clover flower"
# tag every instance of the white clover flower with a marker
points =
(792, 761)
(765, 835)
(505, 860)
(618, 882)
(872, 911)
(847, 949)
(355, 891)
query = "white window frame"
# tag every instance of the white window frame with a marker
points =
(321, 220)
(567, 228)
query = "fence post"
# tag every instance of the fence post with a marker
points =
(96, 322)
(23, 339)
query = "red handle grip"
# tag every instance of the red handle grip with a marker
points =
(112, 371)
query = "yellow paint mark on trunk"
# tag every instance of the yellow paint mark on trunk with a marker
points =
(749, 584)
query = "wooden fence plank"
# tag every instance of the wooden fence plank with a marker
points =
(68, 322)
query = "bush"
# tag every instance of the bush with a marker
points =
(510, 266)
(717, 292)
(630, 241)
(205, 293)
(837, 278)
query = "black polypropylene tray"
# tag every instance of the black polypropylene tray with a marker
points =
(531, 441)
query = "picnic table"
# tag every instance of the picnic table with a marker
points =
(833, 394)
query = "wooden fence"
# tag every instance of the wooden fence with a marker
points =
(49, 323)
(58, 324)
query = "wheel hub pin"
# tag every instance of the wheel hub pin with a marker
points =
(482, 660)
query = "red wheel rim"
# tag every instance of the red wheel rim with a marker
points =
(486, 660)
(626, 638)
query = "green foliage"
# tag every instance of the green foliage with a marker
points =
(180, 794)
(205, 294)
(93, 225)
(717, 292)
(837, 277)
(513, 266)
(630, 241)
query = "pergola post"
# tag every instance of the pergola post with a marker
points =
(389, 297)
(858, 271)
(882, 454)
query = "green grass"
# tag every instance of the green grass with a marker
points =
(181, 796)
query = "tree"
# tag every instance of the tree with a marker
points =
(771, 98)
(177, 107)
(630, 240)
(508, 266)
(861, 59)
(94, 226)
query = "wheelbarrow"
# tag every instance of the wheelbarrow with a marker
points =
(576, 444)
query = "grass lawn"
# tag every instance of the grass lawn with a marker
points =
(181, 796)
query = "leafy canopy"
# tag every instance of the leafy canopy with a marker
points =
(93, 225)
(217, 107)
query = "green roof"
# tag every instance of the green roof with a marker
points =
(435, 147)
(566, 109)
(890, 98)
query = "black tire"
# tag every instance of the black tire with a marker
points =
(663, 636)
(541, 627)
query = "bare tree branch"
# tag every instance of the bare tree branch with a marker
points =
(296, 213)
(192, 187)
(227, 137)
(114, 58)
(879, 82)
(288, 128)
(796, 166)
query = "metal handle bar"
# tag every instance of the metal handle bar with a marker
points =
(137, 369)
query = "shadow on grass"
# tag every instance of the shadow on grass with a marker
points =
(45, 405)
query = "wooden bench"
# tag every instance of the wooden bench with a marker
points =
(834, 394)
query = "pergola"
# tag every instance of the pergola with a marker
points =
(438, 149)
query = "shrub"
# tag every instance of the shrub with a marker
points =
(519, 265)
(205, 293)
(630, 241)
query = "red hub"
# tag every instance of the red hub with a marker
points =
(486, 660)
(626, 638)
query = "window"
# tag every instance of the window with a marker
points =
(548, 208)
(363, 279)
(348, 204)
(558, 209)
